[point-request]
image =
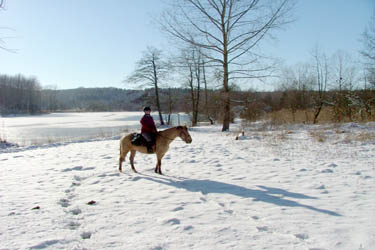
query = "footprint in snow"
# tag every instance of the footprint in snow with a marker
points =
(73, 225)
(203, 199)
(187, 228)
(228, 211)
(332, 165)
(78, 178)
(238, 178)
(86, 235)
(327, 171)
(88, 168)
(302, 236)
(262, 229)
(366, 177)
(76, 211)
(173, 221)
(64, 202)
(78, 168)
(72, 169)
(114, 174)
(177, 209)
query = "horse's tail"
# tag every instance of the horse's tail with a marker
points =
(123, 152)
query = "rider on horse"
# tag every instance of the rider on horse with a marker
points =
(148, 129)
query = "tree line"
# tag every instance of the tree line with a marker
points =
(19, 94)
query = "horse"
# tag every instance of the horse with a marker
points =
(163, 139)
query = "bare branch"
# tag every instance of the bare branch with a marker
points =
(227, 31)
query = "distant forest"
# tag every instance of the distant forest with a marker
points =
(103, 99)
(22, 95)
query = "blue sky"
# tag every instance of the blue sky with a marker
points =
(91, 43)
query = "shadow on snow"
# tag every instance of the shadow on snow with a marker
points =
(265, 194)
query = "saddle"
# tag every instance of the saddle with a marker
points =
(139, 140)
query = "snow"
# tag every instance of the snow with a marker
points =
(28, 130)
(277, 188)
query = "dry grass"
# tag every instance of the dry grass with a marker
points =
(319, 135)
(363, 136)
(327, 115)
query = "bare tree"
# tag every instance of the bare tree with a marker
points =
(297, 82)
(206, 107)
(228, 32)
(344, 71)
(321, 81)
(190, 62)
(170, 104)
(150, 69)
(2, 42)
(368, 51)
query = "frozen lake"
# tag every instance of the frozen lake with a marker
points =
(59, 127)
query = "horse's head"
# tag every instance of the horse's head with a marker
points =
(183, 133)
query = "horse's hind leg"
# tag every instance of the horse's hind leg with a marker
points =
(132, 155)
(123, 153)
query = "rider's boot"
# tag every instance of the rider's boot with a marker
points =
(149, 148)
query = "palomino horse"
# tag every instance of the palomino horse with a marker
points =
(163, 139)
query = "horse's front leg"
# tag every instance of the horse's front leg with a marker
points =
(158, 167)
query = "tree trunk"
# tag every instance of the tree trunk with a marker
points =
(206, 95)
(317, 112)
(226, 94)
(226, 101)
(158, 105)
(157, 93)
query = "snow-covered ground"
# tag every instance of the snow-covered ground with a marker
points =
(302, 187)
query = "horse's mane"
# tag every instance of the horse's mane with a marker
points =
(168, 129)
